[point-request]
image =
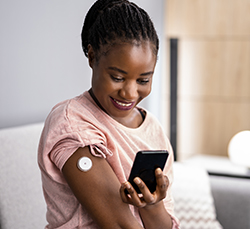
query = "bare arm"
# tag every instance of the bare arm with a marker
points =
(151, 207)
(98, 191)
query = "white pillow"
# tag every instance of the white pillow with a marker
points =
(194, 204)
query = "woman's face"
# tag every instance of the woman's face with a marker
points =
(122, 77)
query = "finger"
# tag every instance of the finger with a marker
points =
(148, 197)
(132, 197)
(162, 183)
(123, 192)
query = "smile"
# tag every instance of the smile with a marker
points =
(122, 105)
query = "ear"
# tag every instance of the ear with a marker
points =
(91, 55)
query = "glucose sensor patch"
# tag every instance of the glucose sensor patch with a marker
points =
(84, 164)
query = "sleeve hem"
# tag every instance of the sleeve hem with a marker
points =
(175, 224)
(99, 150)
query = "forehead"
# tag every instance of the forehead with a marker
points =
(129, 54)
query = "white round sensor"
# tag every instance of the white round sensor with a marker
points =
(84, 164)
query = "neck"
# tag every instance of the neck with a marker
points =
(95, 99)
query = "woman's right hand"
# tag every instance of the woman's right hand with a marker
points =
(146, 198)
(151, 207)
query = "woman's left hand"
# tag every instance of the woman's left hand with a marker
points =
(146, 198)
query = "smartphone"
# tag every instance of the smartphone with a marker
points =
(144, 166)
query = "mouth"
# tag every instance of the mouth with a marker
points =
(121, 105)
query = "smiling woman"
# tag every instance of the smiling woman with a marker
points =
(89, 142)
(122, 78)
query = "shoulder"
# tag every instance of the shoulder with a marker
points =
(71, 124)
(78, 117)
(72, 110)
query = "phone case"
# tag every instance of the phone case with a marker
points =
(144, 167)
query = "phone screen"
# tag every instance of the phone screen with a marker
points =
(144, 167)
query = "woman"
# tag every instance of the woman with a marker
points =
(106, 127)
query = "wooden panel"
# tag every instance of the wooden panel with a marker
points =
(214, 68)
(213, 72)
(199, 128)
(208, 18)
(235, 118)
(206, 127)
(235, 72)
(199, 68)
(214, 95)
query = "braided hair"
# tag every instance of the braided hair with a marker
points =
(109, 20)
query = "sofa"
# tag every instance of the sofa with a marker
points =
(201, 201)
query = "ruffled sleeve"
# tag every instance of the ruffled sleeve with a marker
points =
(99, 150)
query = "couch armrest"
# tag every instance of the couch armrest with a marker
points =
(22, 203)
(232, 201)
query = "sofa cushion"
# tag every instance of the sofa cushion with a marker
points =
(22, 203)
(194, 204)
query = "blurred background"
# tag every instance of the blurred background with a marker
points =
(41, 64)
(213, 95)
(41, 59)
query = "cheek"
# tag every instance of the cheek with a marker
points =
(145, 91)
(149, 87)
(103, 86)
(148, 91)
(99, 81)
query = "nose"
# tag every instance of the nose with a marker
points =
(129, 91)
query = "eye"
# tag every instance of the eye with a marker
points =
(143, 81)
(116, 78)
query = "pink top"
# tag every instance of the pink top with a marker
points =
(79, 122)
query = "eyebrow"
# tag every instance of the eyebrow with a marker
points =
(124, 72)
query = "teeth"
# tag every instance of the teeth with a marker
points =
(123, 104)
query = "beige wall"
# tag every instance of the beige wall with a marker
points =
(213, 72)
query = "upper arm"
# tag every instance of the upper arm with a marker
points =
(98, 191)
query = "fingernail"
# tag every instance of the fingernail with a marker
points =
(158, 171)
(137, 180)
(127, 185)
